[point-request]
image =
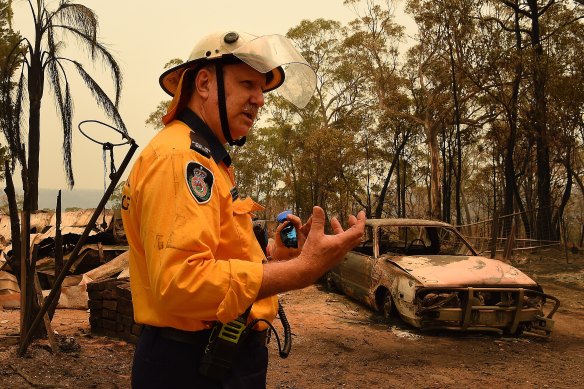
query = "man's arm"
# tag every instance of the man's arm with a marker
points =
(320, 253)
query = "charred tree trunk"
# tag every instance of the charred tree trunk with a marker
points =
(446, 177)
(32, 306)
(14, 259)
(512, 114)
(431, 129)
(398, 185)
(368, 205)
(403, 188)
(35, 92)
(435, 190)
(523, 213)
(458, 175)
(58, 254)
(383, 193)
(544, 214)
(567, 191)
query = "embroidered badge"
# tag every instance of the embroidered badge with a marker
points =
(200, 182)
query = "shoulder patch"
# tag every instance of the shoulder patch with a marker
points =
(200, 181)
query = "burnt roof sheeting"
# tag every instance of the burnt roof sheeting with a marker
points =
(72, 222)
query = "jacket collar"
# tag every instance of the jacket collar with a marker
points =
(201, 128)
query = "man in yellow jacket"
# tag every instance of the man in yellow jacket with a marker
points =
(194, 259)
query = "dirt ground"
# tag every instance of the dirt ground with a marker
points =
(338, 343)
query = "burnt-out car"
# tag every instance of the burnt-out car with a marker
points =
(427, 273)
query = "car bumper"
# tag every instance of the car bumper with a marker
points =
(465, 309)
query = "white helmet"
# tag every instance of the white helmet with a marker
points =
(273, 55)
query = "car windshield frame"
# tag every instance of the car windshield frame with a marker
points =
(419, 239)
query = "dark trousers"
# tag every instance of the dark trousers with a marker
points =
(161, 363)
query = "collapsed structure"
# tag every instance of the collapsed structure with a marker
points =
(103, 257)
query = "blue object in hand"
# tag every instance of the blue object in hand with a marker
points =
(288, 233)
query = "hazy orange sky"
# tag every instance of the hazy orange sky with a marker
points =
(144, 36)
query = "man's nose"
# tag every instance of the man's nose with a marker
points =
(257, 98)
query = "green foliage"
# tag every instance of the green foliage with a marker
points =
(173, 62)
(8, 37)
(115, 200)
(155, 118)
(4, 209)
(9, 41)
(3, 157)
(394, 131)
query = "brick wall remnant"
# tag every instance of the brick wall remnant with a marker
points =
(110, 310)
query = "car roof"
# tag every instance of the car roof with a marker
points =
(405, 222)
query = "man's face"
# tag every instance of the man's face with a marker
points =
(243, 97)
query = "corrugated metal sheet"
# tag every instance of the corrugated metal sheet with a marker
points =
(38, 221)
(72, 222)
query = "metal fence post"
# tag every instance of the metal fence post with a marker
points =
(494, 234)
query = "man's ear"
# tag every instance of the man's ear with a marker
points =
(203, 82)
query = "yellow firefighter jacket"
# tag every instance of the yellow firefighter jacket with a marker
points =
(194, 258)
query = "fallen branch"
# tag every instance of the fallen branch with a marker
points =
(31, 382)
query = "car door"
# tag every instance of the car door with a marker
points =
(356, 275)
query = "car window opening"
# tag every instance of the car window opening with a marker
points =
(417, 240)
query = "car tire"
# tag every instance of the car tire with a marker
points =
(329, 283)
(386, 306)
(520, 329)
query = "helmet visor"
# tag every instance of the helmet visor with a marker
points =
(271, 51)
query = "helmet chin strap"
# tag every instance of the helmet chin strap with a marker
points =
(223, 108)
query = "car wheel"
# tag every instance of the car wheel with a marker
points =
(329, 283)
(520, 329)
(386, 305)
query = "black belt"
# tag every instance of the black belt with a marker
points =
(197, 337)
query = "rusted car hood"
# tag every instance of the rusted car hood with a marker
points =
(448, 270)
